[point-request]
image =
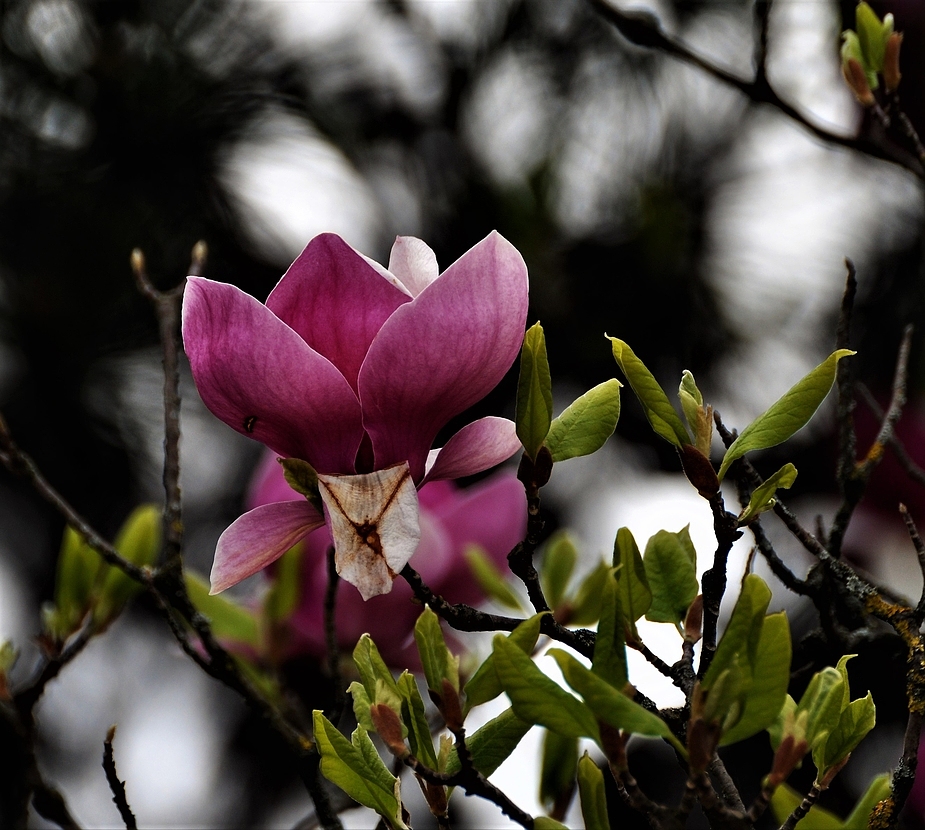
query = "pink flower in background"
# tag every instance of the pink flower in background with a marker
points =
(355, 369)
(491, 514)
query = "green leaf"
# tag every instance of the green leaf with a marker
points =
(878, 790)
(302, 477)
(8, 656)
(556, 568)
(873, 36)
(558, 769)
(282, 599)
(373, 670)
(822, 702)
(438, 662)
(229, 620)
(609, 662)
(547, 823)
(770, 677)
(484, 684)
(632, 582)
(592, 794)
(357, 769)
(672, 574)
(492, 744)
(855, 721)
(585, 426)
(661, 414)
(586, 604)
(699, 417)
(538, 699)
(763, 496)
(610, 705)
(788, 414)
(785, 800)
(139, 541)
(743, 633)
(491, 580)
(361, 704)
(414, 717)
(533, 414)
(78, 566)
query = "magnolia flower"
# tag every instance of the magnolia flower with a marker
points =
(354, 369)
(491, 514)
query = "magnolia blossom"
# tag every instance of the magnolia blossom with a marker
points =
(354, 369)
(491, 514)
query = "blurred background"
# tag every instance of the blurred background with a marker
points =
(648, 201)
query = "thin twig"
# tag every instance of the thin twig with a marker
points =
(910, 468)
(26, 697)
(919, 546)
(116, 785)
(801, 809)
(844, 381)
(330, 636)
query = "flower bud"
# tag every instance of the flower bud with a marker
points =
(891, 73)
(857, 81)
(388, 725)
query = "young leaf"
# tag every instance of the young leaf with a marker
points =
(585, 426)
(484, 684)
(538, 699)
(878, 790)
(763, 496)
(533, 413)
(361, 704)
(609, 662)
(491, 580)
(785, 800)
(672, 575)
(557, 566)
(283, 597)
(438, 662)
(357, 769)
(743, 633)
(699, 417)
(873, 35)
(414, 717)
(592, 795)
(373, 670)
(547, 823)
(632, 582)
(661, 414)
(229, 621)
(770, 676)
(491, 744)
(586, 604)
(855, 721)
(78, 566)
(610, 705)
(788, 414)
(558, 769)
(822, 702)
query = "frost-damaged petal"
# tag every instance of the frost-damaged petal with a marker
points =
(442, 352)
(414, 263)
(476, 447)
(374, 523)
(258, 376)
(336, 301)
(258, 538)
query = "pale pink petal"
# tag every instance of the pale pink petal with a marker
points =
(259, 377)
(476, 447)
(258, 538)
(336, 301)
(443, 351)
(414, 263)
(374, 523)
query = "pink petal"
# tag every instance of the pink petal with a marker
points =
(414, 263)
(258, 538)
(268, 484)
(374, 523)
(493, 515)
(476, 447)
(336, 301)
(443, 351)
(259, 377)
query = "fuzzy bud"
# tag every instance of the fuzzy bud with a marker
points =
(388, 725)
(857, 80)
(891, 73)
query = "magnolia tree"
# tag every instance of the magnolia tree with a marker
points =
(347, 374)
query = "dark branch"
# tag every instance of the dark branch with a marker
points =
(117, 786)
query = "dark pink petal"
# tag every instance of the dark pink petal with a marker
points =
(268, 484)
(443, 351)
(258, 538)
(414, 263)
(493, 515)
(336, 301)
(476, 447)
(259, 377)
